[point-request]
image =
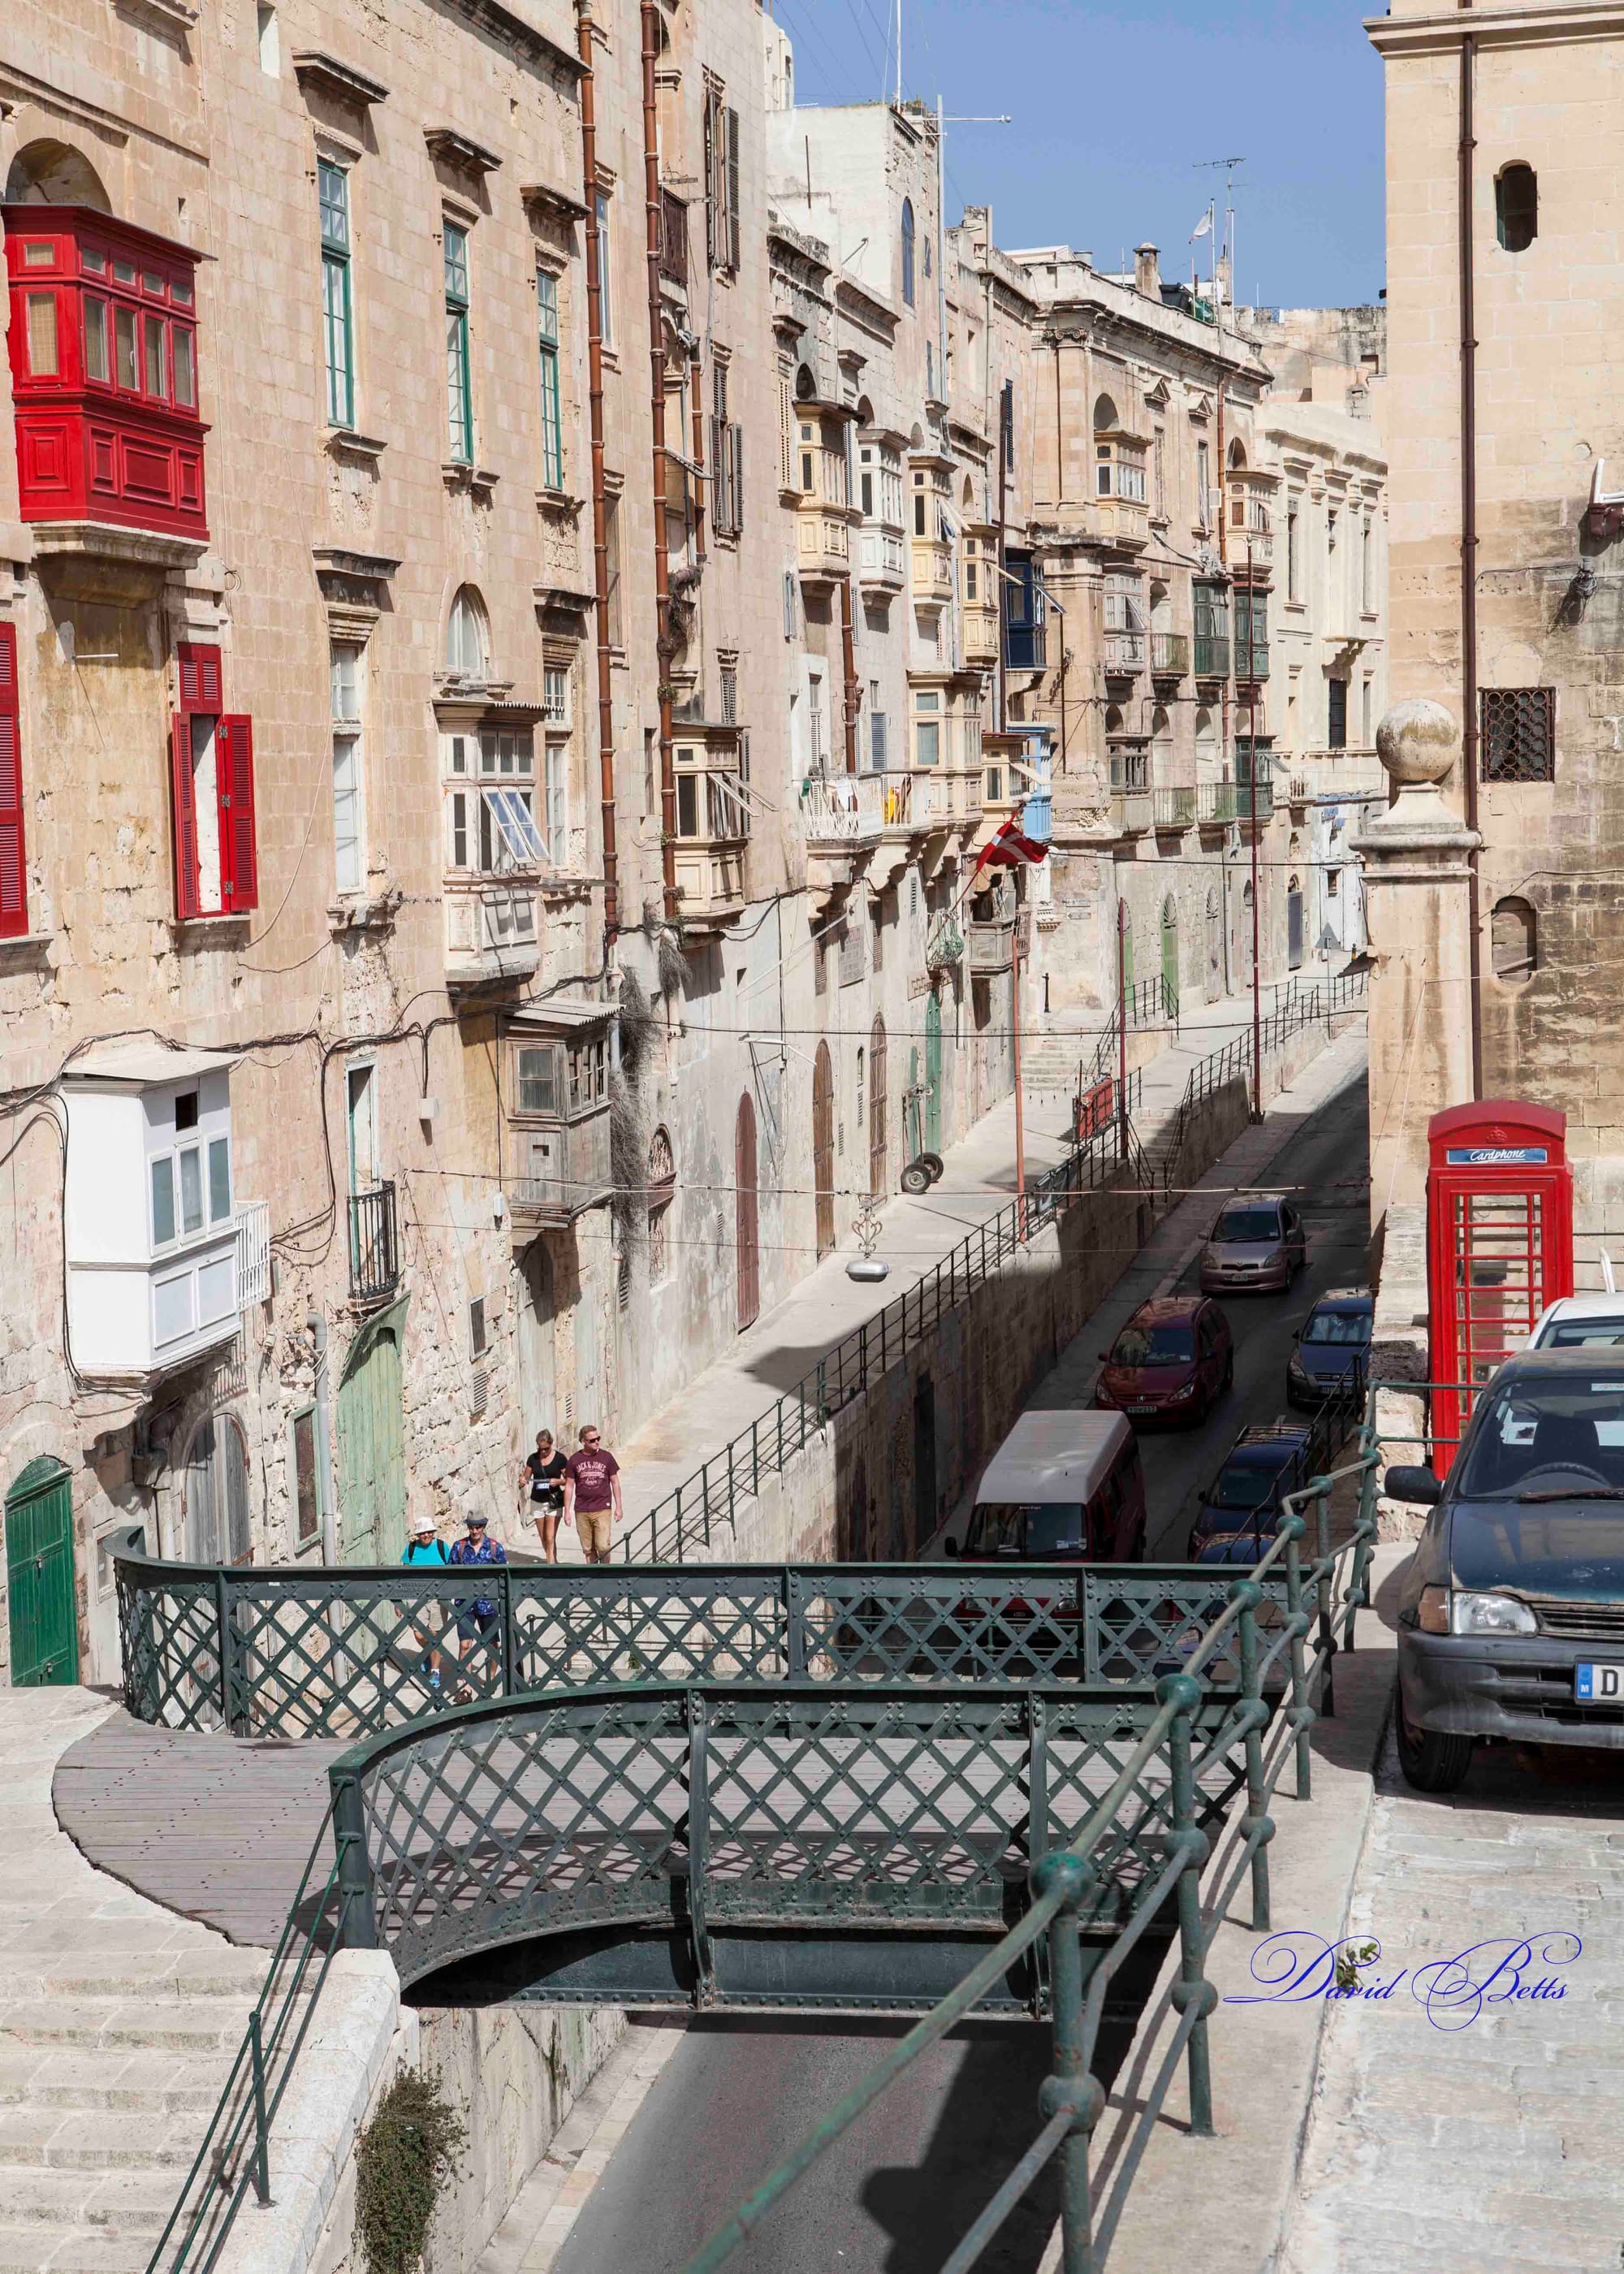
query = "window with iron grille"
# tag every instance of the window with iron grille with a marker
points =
(1517, 725)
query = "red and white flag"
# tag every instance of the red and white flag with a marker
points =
(1011, 849)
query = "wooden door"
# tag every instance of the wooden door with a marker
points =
(933, 1073)
(372, 1455)
(877, 1086)
(1169, 957)
(39, 1566)
(823, 1147)
(746, 1229)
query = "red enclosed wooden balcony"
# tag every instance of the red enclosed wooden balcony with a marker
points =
(104, 372)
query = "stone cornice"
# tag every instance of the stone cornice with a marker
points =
(1514, 27)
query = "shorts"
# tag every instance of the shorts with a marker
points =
(471, 1623)
(593, 1525)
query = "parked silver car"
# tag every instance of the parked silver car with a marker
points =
(1258, 1241)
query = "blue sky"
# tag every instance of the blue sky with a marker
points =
(1113, 107)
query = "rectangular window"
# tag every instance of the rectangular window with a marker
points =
(537, 1077)
(927, 729)
(721, 181)
(1294, 565)
(41, 319)
(337, 317)
(1518, 729)
(1367, 587)
(612, 547)
(1024, 637)
(1203, 484)
(13, 860)
(548, 345)
(186, 369)
(307, 1492)
(1366, 737)
(154, 358)
(95, 343)
(475, 1327)
(348, 858)
(219, 1180)
(123, 349)
(459, 402)
(163, 1200)
(555, 695)
(212, 795)
(456, 817)
(1337, 714)
(605, 298)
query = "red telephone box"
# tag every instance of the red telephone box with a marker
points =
(1498, 1243)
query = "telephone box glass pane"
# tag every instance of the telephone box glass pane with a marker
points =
(1500, 1276)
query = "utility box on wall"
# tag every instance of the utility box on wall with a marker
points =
(1499, 1245)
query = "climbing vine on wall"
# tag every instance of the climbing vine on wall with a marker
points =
(404, 2159)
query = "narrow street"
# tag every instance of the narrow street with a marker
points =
(897, 2191)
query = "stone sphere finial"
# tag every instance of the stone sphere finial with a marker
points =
(1418, 741)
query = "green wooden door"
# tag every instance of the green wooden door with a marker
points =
(933, 1073)
(39, 1569)
(1170, 956)
(372, 1455)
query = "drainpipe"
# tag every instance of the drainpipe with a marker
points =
(600, 510)
(1469, 538)
(318, 1326)
(1006, 413)
(665, 645)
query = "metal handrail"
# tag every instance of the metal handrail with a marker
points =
(711, 1495)
(1073, 2097)
(234, 2153)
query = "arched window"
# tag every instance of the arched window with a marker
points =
(1515, 930)
(468, 636)
(1205, 744)
(662, 1186)
(215, 1488)
(907, 251)
(1516, 207)
(49, 173)
(1238, 456)
(1105, 418)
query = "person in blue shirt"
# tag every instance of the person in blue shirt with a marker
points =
(475, 1619)
(425, 1546)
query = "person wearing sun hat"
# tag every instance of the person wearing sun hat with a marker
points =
(424, 1545)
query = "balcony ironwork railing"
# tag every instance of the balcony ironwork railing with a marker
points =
(1234, 800)
(1125, 653)
(374, 1245)
(1175, 808)
(1130, 770)
(673, 238)
(1212, 655)
(1169, 655)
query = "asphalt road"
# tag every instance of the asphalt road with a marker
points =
(1322, 1165)
(897, 2191)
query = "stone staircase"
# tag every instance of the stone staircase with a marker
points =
(118, 2025)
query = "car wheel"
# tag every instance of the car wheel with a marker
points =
(1433, 1760)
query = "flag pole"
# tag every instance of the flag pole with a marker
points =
(1020, 1130)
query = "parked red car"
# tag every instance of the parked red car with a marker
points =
(1173, 1362)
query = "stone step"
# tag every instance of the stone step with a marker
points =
(87, 2140)
(201, 2025)
(47, 2077)
(114, 2202)
(221, 1972)
(36, 2248)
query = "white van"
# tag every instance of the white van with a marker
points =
(1062, 1487)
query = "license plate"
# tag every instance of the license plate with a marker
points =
(1139, 1409)
(1595, 1685)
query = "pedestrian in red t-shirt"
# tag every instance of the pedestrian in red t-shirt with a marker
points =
(592, 1494)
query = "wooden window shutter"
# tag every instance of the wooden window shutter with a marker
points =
(13, 852)
(718, 475)
(238, 861)
(183, 819)
(198, 671)
(732, 188)
(712, 162)
(736, 481)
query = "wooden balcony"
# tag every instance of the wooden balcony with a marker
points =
(1122, 523)
(933, 572)
(882, 558)
(823, 543)
(1169, 655)
(980, 634)
(1125, 654)
(490, 929)
(558, 1168)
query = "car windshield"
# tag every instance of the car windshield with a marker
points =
(1350, 1328)
(1245, 1224)
(1035, 1530)
(1154, 1346)
(1581, 1333)
(1245, 1484)
(1557, 1437)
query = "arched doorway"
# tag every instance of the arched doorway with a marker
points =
(216, 1494)
(823, 1147)
(746, 1224)
(1169, 955)
(1214, 946)
(537, 1364)
(878, 1086)
(1294, 924)
(39, 1560)
(933, 1071)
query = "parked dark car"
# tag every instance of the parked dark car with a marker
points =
(1258, 1243)
(1511, 1611)
(1240, 1509)
(1332, 1349)
(1173, 1361)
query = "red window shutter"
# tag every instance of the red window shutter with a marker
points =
(183, 820)
(198, 670)
(13, 871)
(238, 857)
